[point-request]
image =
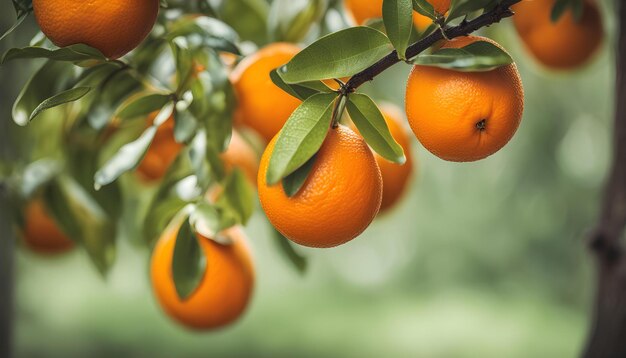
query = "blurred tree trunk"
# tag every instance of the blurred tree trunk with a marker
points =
(7, 251)
(607, 337)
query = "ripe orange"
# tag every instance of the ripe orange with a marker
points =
(395, 176)
(114, 27)
(338, 200)
(362, 10)
(262, 105)
(464, 116)
(164, 150)
(224, 291)
(565, 44)
(240, 154)
(41, 234)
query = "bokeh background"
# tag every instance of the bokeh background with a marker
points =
(479, 260)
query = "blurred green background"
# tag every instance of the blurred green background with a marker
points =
(479, 260)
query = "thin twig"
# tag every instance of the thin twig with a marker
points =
(499, 12)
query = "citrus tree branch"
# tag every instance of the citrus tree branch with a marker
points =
(499, 12)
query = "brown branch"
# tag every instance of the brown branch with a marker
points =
(499, 12)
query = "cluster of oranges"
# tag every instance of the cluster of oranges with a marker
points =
(458, 116)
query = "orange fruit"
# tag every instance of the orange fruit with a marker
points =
(338, 200)
(464, 116)
(115, 27)
(240, 154)
(396, 177)
(41, 233)
(164, 150)
(263, 106)
(226, 286)
(566, 44)
(362, 10)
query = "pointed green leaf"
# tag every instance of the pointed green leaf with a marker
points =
(340, 54)
(143, 105)
(373, 127)
(237, 197)
(294, 181)
(301, 137)
(298, 261)
(70, 95)
(188, 262)
(398, 19)
(74, 53)
(479, 56)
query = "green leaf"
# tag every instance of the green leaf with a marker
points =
(81, 218)
(298, 261)
(460, 8)
(205, 31)
(301, 137)
(70, 95)
(127, 158)
(561, 6)
(340, 54)
(479, 56)
(294, 181)
(20, 18)
(184, 63)
(74, 53)
(398, 19)
(205, 220)
(143, 105)
(425, 8)
(373, 127)
(247, 17)
(291, 20)
(50, 79)
(188, 262)
(298, 91)
(237, 197)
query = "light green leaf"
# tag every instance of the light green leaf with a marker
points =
(74, 53)
(301, 137)
(127, 158)
(67, 96)
(237, 197)
(479, 56)
(143, 105)
(373, 127)
(340, 54)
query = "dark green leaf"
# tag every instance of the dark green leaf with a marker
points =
(70, 95)
(425, 8)
(294, 181)
(188, 262)
(460, 8)
(50, 79)
(479, 56)
(80, 217)
(298, 261)
(20, 18)
(296, 90)
(373, 127)
(301, 137)
(398, 19)
(340, 54)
